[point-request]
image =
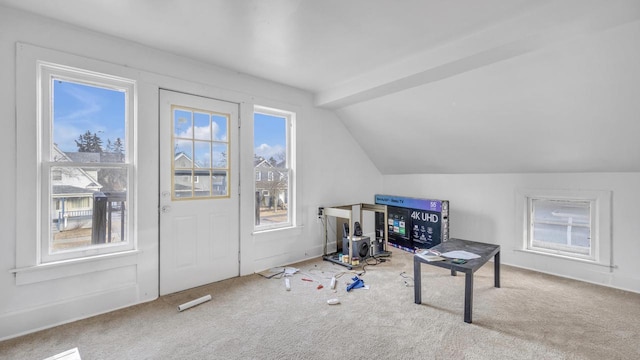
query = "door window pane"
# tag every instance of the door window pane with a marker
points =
(182, 124)
(183, 184)
(200, 154)
(220, 127)
(219, 183)
(220, 155)
(202, 126)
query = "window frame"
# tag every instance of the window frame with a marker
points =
(46, 73)
(562, 250)
(600, 223)
(290, 167)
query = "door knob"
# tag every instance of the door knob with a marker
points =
(165, 209)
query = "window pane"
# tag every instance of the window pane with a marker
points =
(561, 225)
(220, 127)
(88, 123)
(88, 207)
(562, 237)
(274, 196)
(220, 152)
(575, 212)
(202, 126)
(202, 154)
(182, 124)
(201, 187)
(183, 154)
(219, 183)
(270, 139)
(182, 184)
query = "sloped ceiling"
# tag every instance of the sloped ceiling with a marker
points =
(429, 86)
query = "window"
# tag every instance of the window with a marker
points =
(201, 145)
(273, 153)
(86, 164)
(561, 226)
(569, 224)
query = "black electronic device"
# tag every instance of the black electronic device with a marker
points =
(345, 230)
(376, 247)
(357, 229)
(361, 245)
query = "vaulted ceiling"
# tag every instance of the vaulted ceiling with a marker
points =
(430, 86)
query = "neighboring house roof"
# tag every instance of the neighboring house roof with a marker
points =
(71, 190)
(84, 157)
(94, 185)
(94, 157)
(261, 162)
(183, 155)
(61, 156)
(110, 157)
(179, 186)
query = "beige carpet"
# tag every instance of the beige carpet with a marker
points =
(533, 316)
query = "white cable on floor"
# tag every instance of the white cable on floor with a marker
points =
(193, 303)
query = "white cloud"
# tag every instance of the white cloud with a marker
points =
(267, 151)
(203, 133)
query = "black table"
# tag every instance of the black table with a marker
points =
(486, 251)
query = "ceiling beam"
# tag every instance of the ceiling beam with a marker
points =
(552, 24)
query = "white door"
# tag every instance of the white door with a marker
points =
(199, 202)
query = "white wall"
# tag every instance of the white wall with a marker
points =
(483, 208)
(332, 170)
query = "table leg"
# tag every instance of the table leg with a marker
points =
(496, 270)
(417, 281)
(468, 296)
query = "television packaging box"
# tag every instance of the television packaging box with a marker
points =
(414, 223)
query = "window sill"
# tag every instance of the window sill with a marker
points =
(294, 230)
(73, 267)
(566, 257)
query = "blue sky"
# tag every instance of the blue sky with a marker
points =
(78, 108)
(269, 135)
